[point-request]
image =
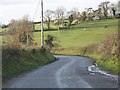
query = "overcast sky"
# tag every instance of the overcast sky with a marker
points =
(15, 9)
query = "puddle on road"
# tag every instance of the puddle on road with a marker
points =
(94, 69)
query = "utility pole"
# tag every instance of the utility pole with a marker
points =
(1, 53)
(42, 32)
(58, 30)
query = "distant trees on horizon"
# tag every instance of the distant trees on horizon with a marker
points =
(60, 14)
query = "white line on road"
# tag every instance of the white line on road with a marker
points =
(64, 69)
(58, 74)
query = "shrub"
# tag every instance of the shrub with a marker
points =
(49, 42)
(22, 31)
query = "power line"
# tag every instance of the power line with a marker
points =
(36, 10)
(42, 31)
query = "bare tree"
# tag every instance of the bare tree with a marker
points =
(90, 13)
(97, 13)
(48, 16)
(62, 10)
(22, 30)
(12, 27)
(84, 16)
(112, 8)
(59, 14)
(70, 19)
(104, 7)
(74, 12)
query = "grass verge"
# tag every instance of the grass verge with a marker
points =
(110, 65)
(25, 60)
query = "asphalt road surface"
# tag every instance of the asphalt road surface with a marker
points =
(66, 72)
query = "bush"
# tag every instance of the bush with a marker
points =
(107, 49)
(49, 42)
(11, 50)
(22, 31)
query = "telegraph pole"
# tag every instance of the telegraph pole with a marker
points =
(58, 29)
(1, 53)
(42, 32)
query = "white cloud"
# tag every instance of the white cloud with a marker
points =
(15, 2)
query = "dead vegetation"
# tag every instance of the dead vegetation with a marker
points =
(108, 49)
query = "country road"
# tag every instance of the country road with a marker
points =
(66, 72)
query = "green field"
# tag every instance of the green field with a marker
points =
(0, 36)
(76, 36)
(0, 29)
(52, 26)
(0, 40)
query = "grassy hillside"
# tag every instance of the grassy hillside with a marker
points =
(37, 26)
(0, 40)
(0, 29)
(78, 37)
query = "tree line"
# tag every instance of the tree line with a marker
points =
(105, 10)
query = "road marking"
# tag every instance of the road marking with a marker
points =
(64, 69)
(58, 74)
